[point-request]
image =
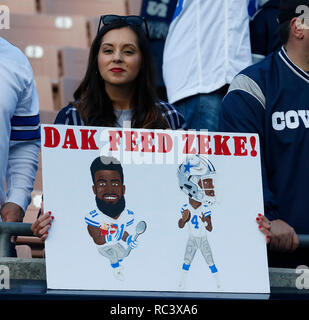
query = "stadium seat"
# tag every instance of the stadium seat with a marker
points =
(48, 116)
(134, 7)
(43, 59)
(31, 247)
(23, 251)
(73, 62)
(89, 8)
(67, 87)
(45, 92)
(21, 6)
(93, 24)
(41, 29)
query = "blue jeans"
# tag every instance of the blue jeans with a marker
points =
(202, 111)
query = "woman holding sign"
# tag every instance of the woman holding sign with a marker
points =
(118, 89)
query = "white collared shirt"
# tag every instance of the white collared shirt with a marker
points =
(208, 43)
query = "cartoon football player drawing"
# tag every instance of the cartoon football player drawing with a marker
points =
(112, 225)
(196, 179)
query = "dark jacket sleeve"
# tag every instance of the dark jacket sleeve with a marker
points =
(69, 116)
(241, 112)
(265, 30)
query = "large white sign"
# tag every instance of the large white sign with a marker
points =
(153, 210)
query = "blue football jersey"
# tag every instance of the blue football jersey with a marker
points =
(271, 98)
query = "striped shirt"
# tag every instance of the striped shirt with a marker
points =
(70, 116)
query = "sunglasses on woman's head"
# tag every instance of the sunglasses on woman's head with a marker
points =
(130, 20)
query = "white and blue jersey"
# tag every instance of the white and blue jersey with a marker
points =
(19, 126)
(271, 98)
(196, 227)
(114, 228)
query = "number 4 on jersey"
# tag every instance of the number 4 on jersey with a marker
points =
(194, 221)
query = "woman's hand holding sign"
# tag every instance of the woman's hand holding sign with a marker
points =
(41, 226)
(279, 235)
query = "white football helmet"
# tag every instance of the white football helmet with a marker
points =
(190, 172)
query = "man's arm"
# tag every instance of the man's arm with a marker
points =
(23, 153)
(243, 111)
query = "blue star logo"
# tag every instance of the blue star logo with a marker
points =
(187, 167)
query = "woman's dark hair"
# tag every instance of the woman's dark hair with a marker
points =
(95, 106)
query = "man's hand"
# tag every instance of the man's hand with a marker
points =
(282, 236)
(279, 235)
(11, 212)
